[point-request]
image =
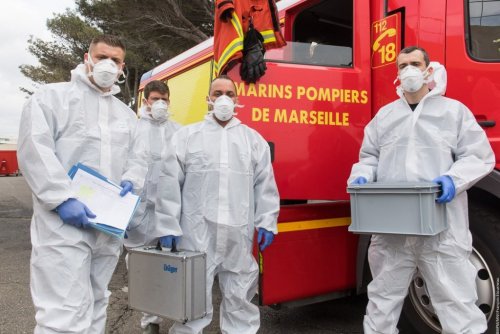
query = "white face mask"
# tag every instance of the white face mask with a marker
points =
(412, 78)
(223, 108)
(105, 72)
(159, 110)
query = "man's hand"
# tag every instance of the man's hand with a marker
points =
(359, 180)
(127, 187)
(168, 240)
(75, 213)
(447, 188)
(264, 238)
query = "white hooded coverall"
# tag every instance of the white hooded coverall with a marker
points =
(142, 229)
(63, 124)
(228, 191)
(440, 137)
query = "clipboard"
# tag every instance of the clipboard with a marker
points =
(102, 197)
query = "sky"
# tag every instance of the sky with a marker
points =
(19, 20)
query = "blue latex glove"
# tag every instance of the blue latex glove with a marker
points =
(359, 180)
(166, 241)
(264, 238)
(75, 213)
(447, 188)
(127, 187)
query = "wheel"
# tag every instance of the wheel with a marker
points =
(418, 315)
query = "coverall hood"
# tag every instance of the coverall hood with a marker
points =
(437, 81)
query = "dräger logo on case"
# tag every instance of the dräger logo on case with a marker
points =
(169, 268)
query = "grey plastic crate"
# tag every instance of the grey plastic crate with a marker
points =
(397, 208)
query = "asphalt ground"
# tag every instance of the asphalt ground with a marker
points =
(17, 313)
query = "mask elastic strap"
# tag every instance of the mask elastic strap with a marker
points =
(89, 63)
(122, 75)
(209, 101)
(427, 80)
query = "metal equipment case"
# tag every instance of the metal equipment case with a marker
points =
(171, 285)
(397, 208)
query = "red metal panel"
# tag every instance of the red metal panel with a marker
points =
(312, 161)
(424, 24)
(308, 263)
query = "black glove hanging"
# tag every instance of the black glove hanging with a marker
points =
(253, 65)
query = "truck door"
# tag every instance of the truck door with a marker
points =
(312, 105)
(314, 99)
(473, 61)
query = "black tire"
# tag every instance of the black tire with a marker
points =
(484, 218)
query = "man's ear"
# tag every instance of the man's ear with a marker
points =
(85, 57)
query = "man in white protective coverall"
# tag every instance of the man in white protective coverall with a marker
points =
(228, 192)
(155, 128)
(424, 136)
(63, 124)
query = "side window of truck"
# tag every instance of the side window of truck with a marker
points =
(322, 35)
(484, 29)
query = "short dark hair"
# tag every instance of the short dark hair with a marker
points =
(156, 86)
(110, 40)
(224, 77)
(410, 49)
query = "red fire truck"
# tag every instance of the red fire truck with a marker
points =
(8, 160)
(312, 104)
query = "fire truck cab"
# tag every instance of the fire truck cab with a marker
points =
(312, 105)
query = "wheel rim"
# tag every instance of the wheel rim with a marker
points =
(485, 287)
